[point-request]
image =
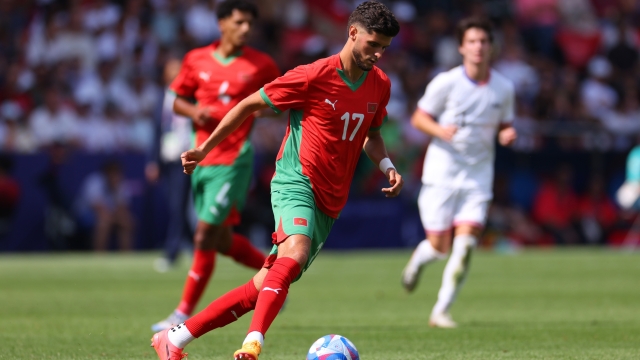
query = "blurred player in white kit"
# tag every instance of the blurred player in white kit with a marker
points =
(462, 110)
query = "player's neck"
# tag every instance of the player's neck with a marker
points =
(479, 73)
(349, 66)
(226, 49)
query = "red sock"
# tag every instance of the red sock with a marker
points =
(204, 261)
(224, 310)
(274, 291)
(243, 252)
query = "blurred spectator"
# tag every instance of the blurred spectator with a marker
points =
(538, 20)
(14, 134)
(60, 226)
(596, 94)
(597, 213)
(555, 207)
(9, 194)
(103, 204)
(201, 21)
(513, 66)
(507, 222)
(175, 138)
(54, 121)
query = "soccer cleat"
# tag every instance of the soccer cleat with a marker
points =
(164, 348)
(172, 320)
(442, 320)
(410, 278)
(249, 351)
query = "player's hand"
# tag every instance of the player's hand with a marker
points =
(190, 160)
(202, 115)
(446, 132)
(396, 182)
(507, 136)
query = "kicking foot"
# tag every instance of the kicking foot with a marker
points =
(164, 348)
(249, 351)
(442, 320)
(410, 277)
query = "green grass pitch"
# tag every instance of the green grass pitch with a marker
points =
(560, 304)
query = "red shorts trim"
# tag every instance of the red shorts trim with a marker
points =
(233, 218)
(268, 262)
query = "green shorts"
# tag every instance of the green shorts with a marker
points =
(220, 191)
(295, 212)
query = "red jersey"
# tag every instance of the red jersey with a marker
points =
(329, 119)
(221, 84)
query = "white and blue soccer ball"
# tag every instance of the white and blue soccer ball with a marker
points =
(333, 347)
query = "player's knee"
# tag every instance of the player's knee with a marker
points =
(204, 238)
(296, 247)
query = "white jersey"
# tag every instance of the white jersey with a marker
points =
(478, 110)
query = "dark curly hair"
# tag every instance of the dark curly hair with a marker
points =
(225, 8)
(474, 22)
(375, 16)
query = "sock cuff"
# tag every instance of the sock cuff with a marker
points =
(286, 266)
(438, 254)
(465, 240)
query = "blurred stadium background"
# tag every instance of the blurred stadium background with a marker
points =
(82, 85)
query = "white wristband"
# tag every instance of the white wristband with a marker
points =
(386, 164)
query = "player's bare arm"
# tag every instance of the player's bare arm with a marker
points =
(377, 152)
(507, 135)
(428, 125)
(199, 114)
(234, 118)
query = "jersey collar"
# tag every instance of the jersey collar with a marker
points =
(478, 83)
(352, 85)
(225, 61)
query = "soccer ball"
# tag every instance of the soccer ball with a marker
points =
(333, 347)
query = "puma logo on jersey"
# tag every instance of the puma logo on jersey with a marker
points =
(266, 288)
(204, 76)
(333, 104)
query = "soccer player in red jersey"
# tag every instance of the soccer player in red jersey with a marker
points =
(218, 77)
(336, 108)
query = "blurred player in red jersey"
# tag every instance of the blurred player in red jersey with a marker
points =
(337, 106)
(217, 77)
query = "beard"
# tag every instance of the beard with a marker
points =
(360, 62)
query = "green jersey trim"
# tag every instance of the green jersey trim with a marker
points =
(225, 61)
(352, 85)
(266, 99)
(384, 121)
(288, 167)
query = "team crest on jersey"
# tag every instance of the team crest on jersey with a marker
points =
(244, 77)
(372, 108)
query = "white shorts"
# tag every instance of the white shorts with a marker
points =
(442, 208)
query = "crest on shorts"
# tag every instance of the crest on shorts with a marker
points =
(300, 222)
(372, 108)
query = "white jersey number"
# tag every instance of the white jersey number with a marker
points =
(345, 118)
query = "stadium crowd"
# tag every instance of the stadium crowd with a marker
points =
(89, 76)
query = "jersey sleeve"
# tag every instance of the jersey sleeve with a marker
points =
(508, 110)
(633, 165)
(185, 84)
(288, 91)
(381, 113)
(434, 99)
